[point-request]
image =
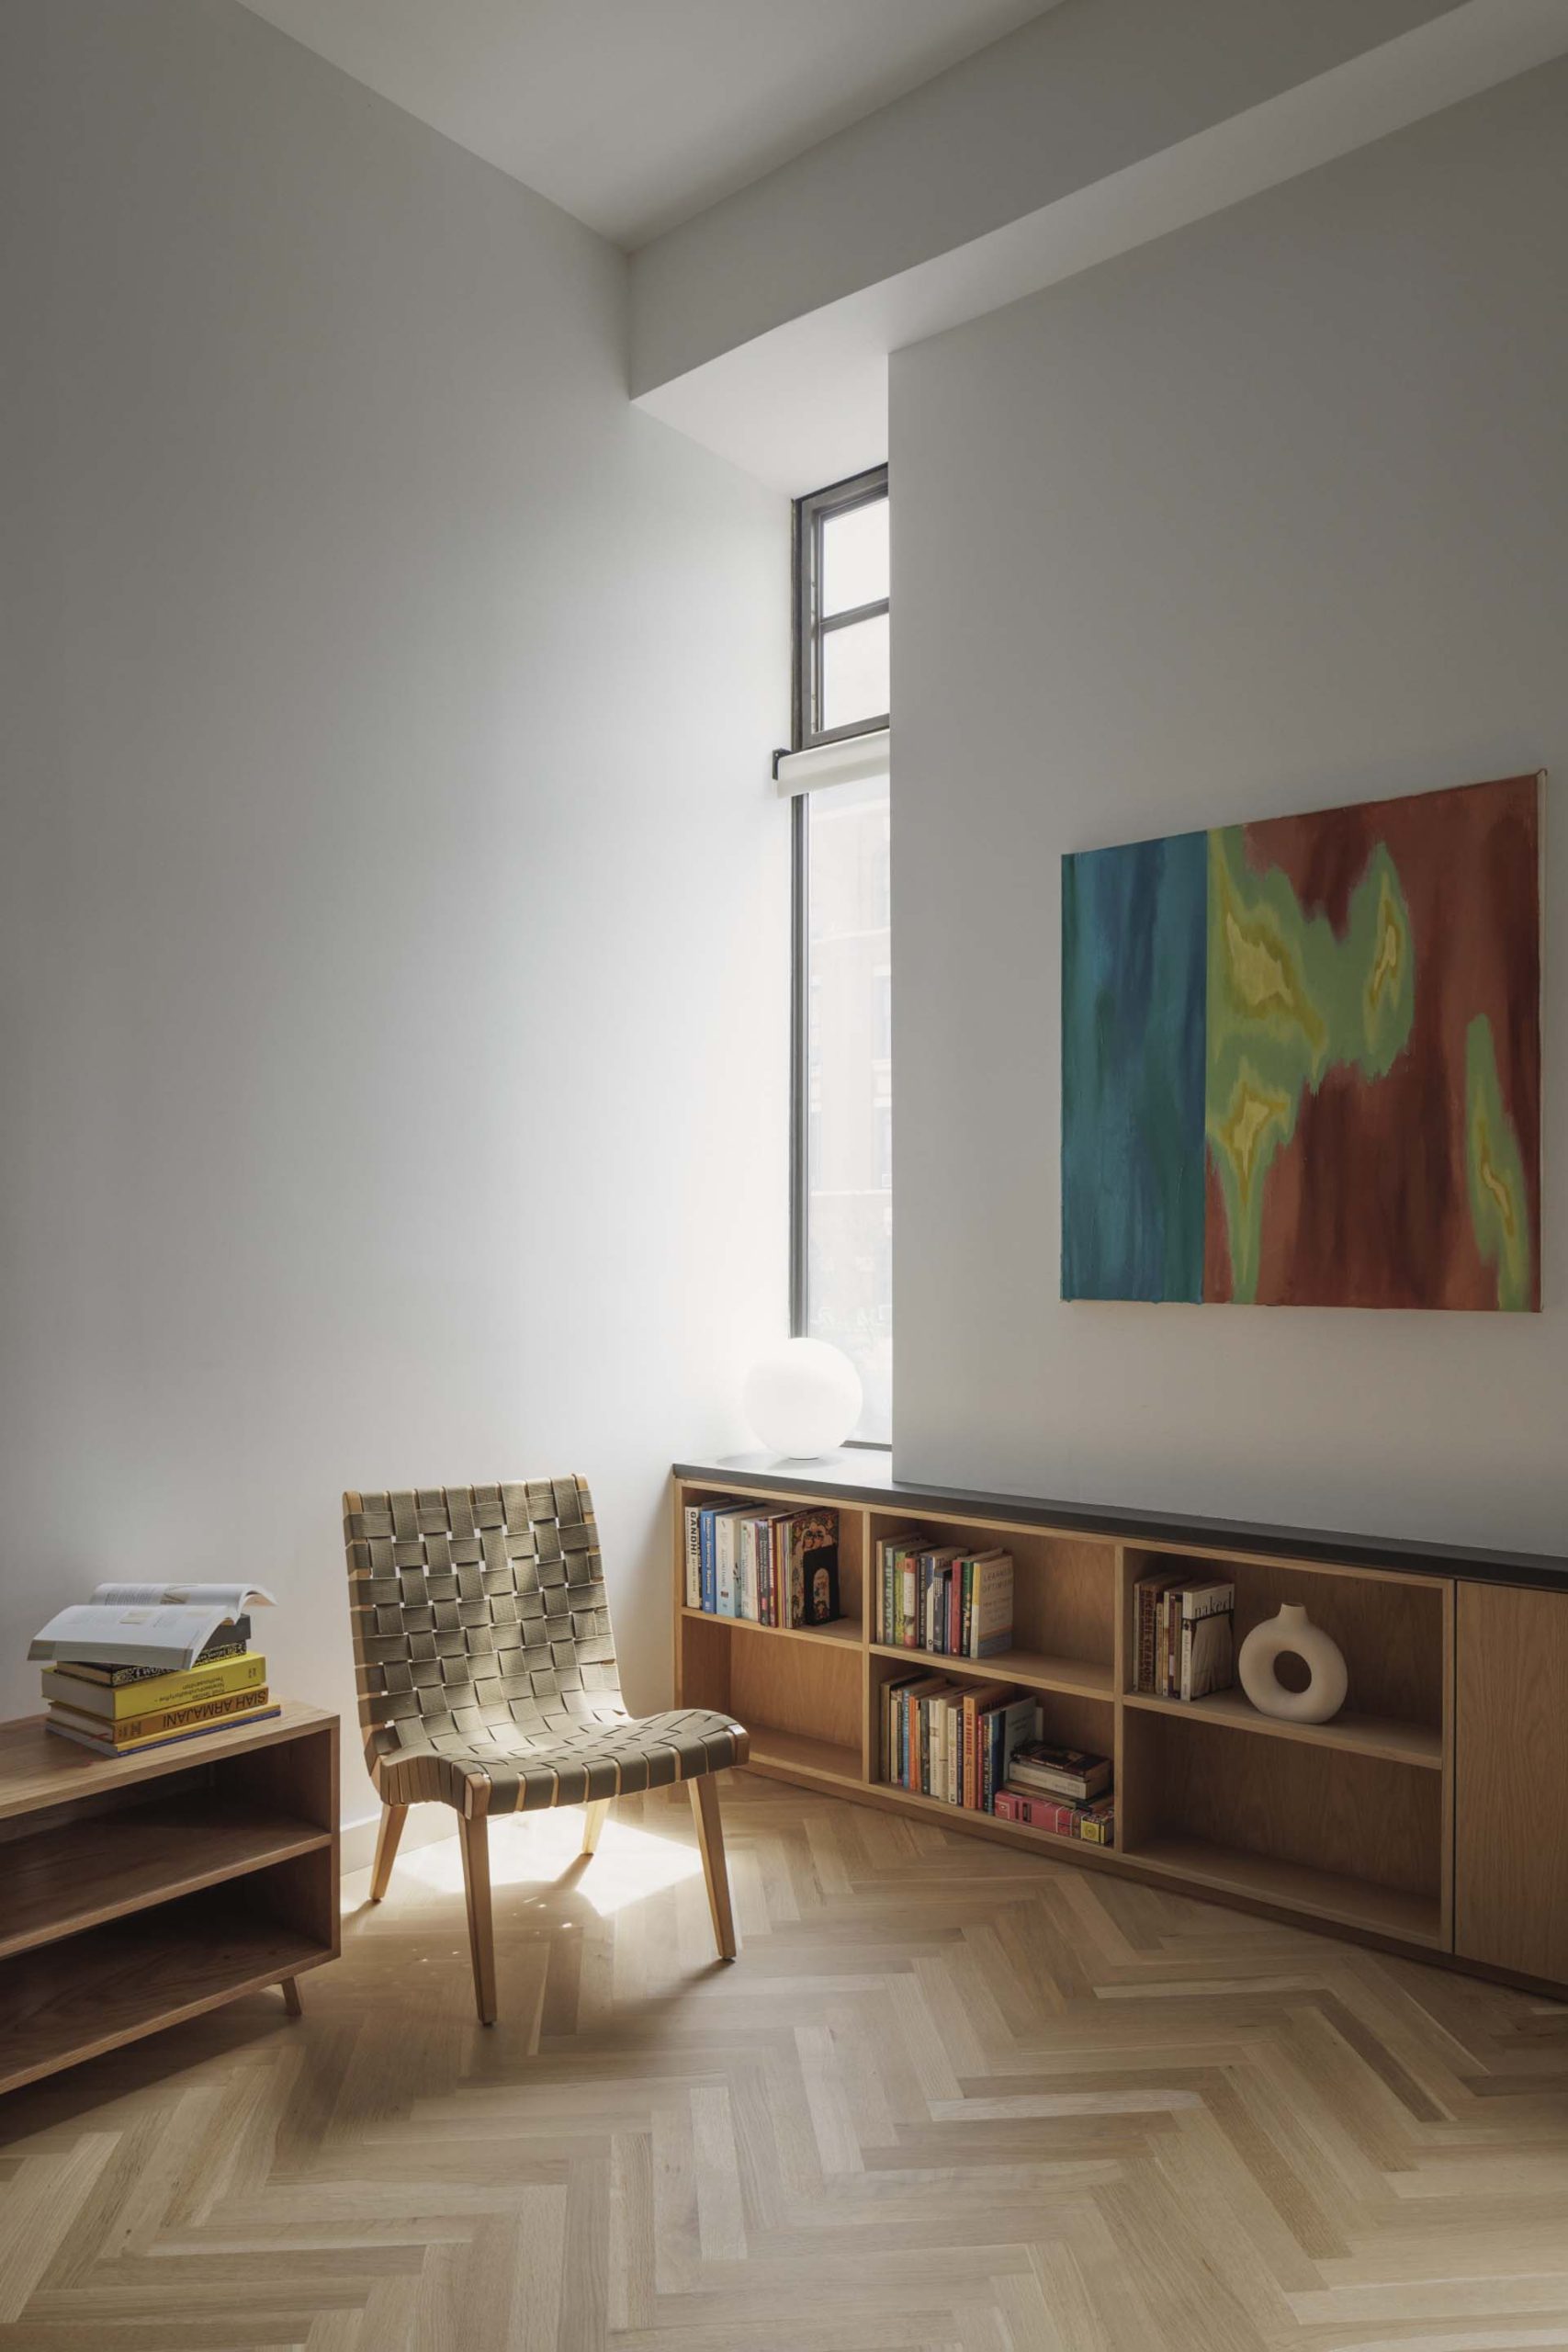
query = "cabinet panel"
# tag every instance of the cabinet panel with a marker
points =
(1511, 1873)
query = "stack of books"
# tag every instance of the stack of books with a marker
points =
(1094, 1824)
(947, 1598)
(953, 1741)
(766, 1567)
(144, 1666)
(1183, 1635)
(1066, 1791)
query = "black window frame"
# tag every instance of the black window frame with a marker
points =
(811, 630)
(808, 630)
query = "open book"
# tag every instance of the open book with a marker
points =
(146, 1624)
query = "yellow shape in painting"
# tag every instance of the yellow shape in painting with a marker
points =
(1260, 977)
(1486, 1169)
(1392, 943)
(1253, 1110)
(1264, 975)
(1258, 1117)
(1497, 1196)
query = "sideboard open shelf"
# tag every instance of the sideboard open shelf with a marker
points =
(138, 1891)
(1351, 1825)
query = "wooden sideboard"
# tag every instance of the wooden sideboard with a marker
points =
(139, 1891)
(1430, 1814)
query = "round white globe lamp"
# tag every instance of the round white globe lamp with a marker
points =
(802, 1398)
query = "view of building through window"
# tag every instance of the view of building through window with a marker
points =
(848, 1092)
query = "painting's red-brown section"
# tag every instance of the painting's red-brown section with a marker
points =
(1368, 1205)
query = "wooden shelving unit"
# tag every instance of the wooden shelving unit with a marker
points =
(137, 1892)
(1348, 1824)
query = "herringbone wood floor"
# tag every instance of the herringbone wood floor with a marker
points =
(949, 2097)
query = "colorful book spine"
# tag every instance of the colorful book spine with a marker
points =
(693, 1517)
(746, 1569)
(765, 1570)
(990, 1614)
(1150, 1595)
(1096, 1823)
(811, 1579)
(724, 1564)
(709, 1561)
(1206, 1656)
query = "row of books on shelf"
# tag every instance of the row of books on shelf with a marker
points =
(766, 1567)
(943, 1597)
(1183, 1632)
(978, 1745)
(144, 1666)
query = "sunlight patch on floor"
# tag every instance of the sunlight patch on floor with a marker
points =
(628, 1866)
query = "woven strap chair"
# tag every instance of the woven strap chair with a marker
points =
(487, 1681)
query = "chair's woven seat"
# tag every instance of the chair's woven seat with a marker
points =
(600, 1760)
(486, 1665)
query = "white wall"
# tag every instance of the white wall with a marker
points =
(1085, 90)
(1267, 516)
(393, 905)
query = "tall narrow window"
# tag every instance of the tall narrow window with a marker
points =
(837, 773)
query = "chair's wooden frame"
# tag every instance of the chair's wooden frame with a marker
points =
(474, 1832)
(692, 1746)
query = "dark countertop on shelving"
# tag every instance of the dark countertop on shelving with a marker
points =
(857, 1474)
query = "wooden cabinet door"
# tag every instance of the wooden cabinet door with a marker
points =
(1511, 1797)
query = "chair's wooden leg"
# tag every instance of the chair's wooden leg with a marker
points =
(594, 1816)
(482, 1931)
(392, 1819)
(710, 1838)
(289, 1988)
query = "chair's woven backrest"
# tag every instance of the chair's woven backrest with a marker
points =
(478, 1610)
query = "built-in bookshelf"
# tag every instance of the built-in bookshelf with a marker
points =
(1348, 1824)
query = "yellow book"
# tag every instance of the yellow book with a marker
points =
(137, 1731)
(66, 1725)
(119, 1702)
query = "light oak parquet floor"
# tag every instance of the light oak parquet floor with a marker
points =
(950, 2097)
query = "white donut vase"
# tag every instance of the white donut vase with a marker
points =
(1293, 1630)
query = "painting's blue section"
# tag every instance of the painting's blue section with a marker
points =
(1135, 926)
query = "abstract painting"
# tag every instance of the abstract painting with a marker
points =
(1300, 1060)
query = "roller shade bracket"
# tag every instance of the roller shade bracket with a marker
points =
(854, 758)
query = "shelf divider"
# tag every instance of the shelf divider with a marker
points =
(1396, 1743)
(1037, 1669)
(797, 1757)
(840, 1633)
(60, 2003)
(104, 1867)
(1292, 1886)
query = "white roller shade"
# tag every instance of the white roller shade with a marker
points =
(858, 760)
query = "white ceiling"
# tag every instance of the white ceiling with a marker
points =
(635, 114)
